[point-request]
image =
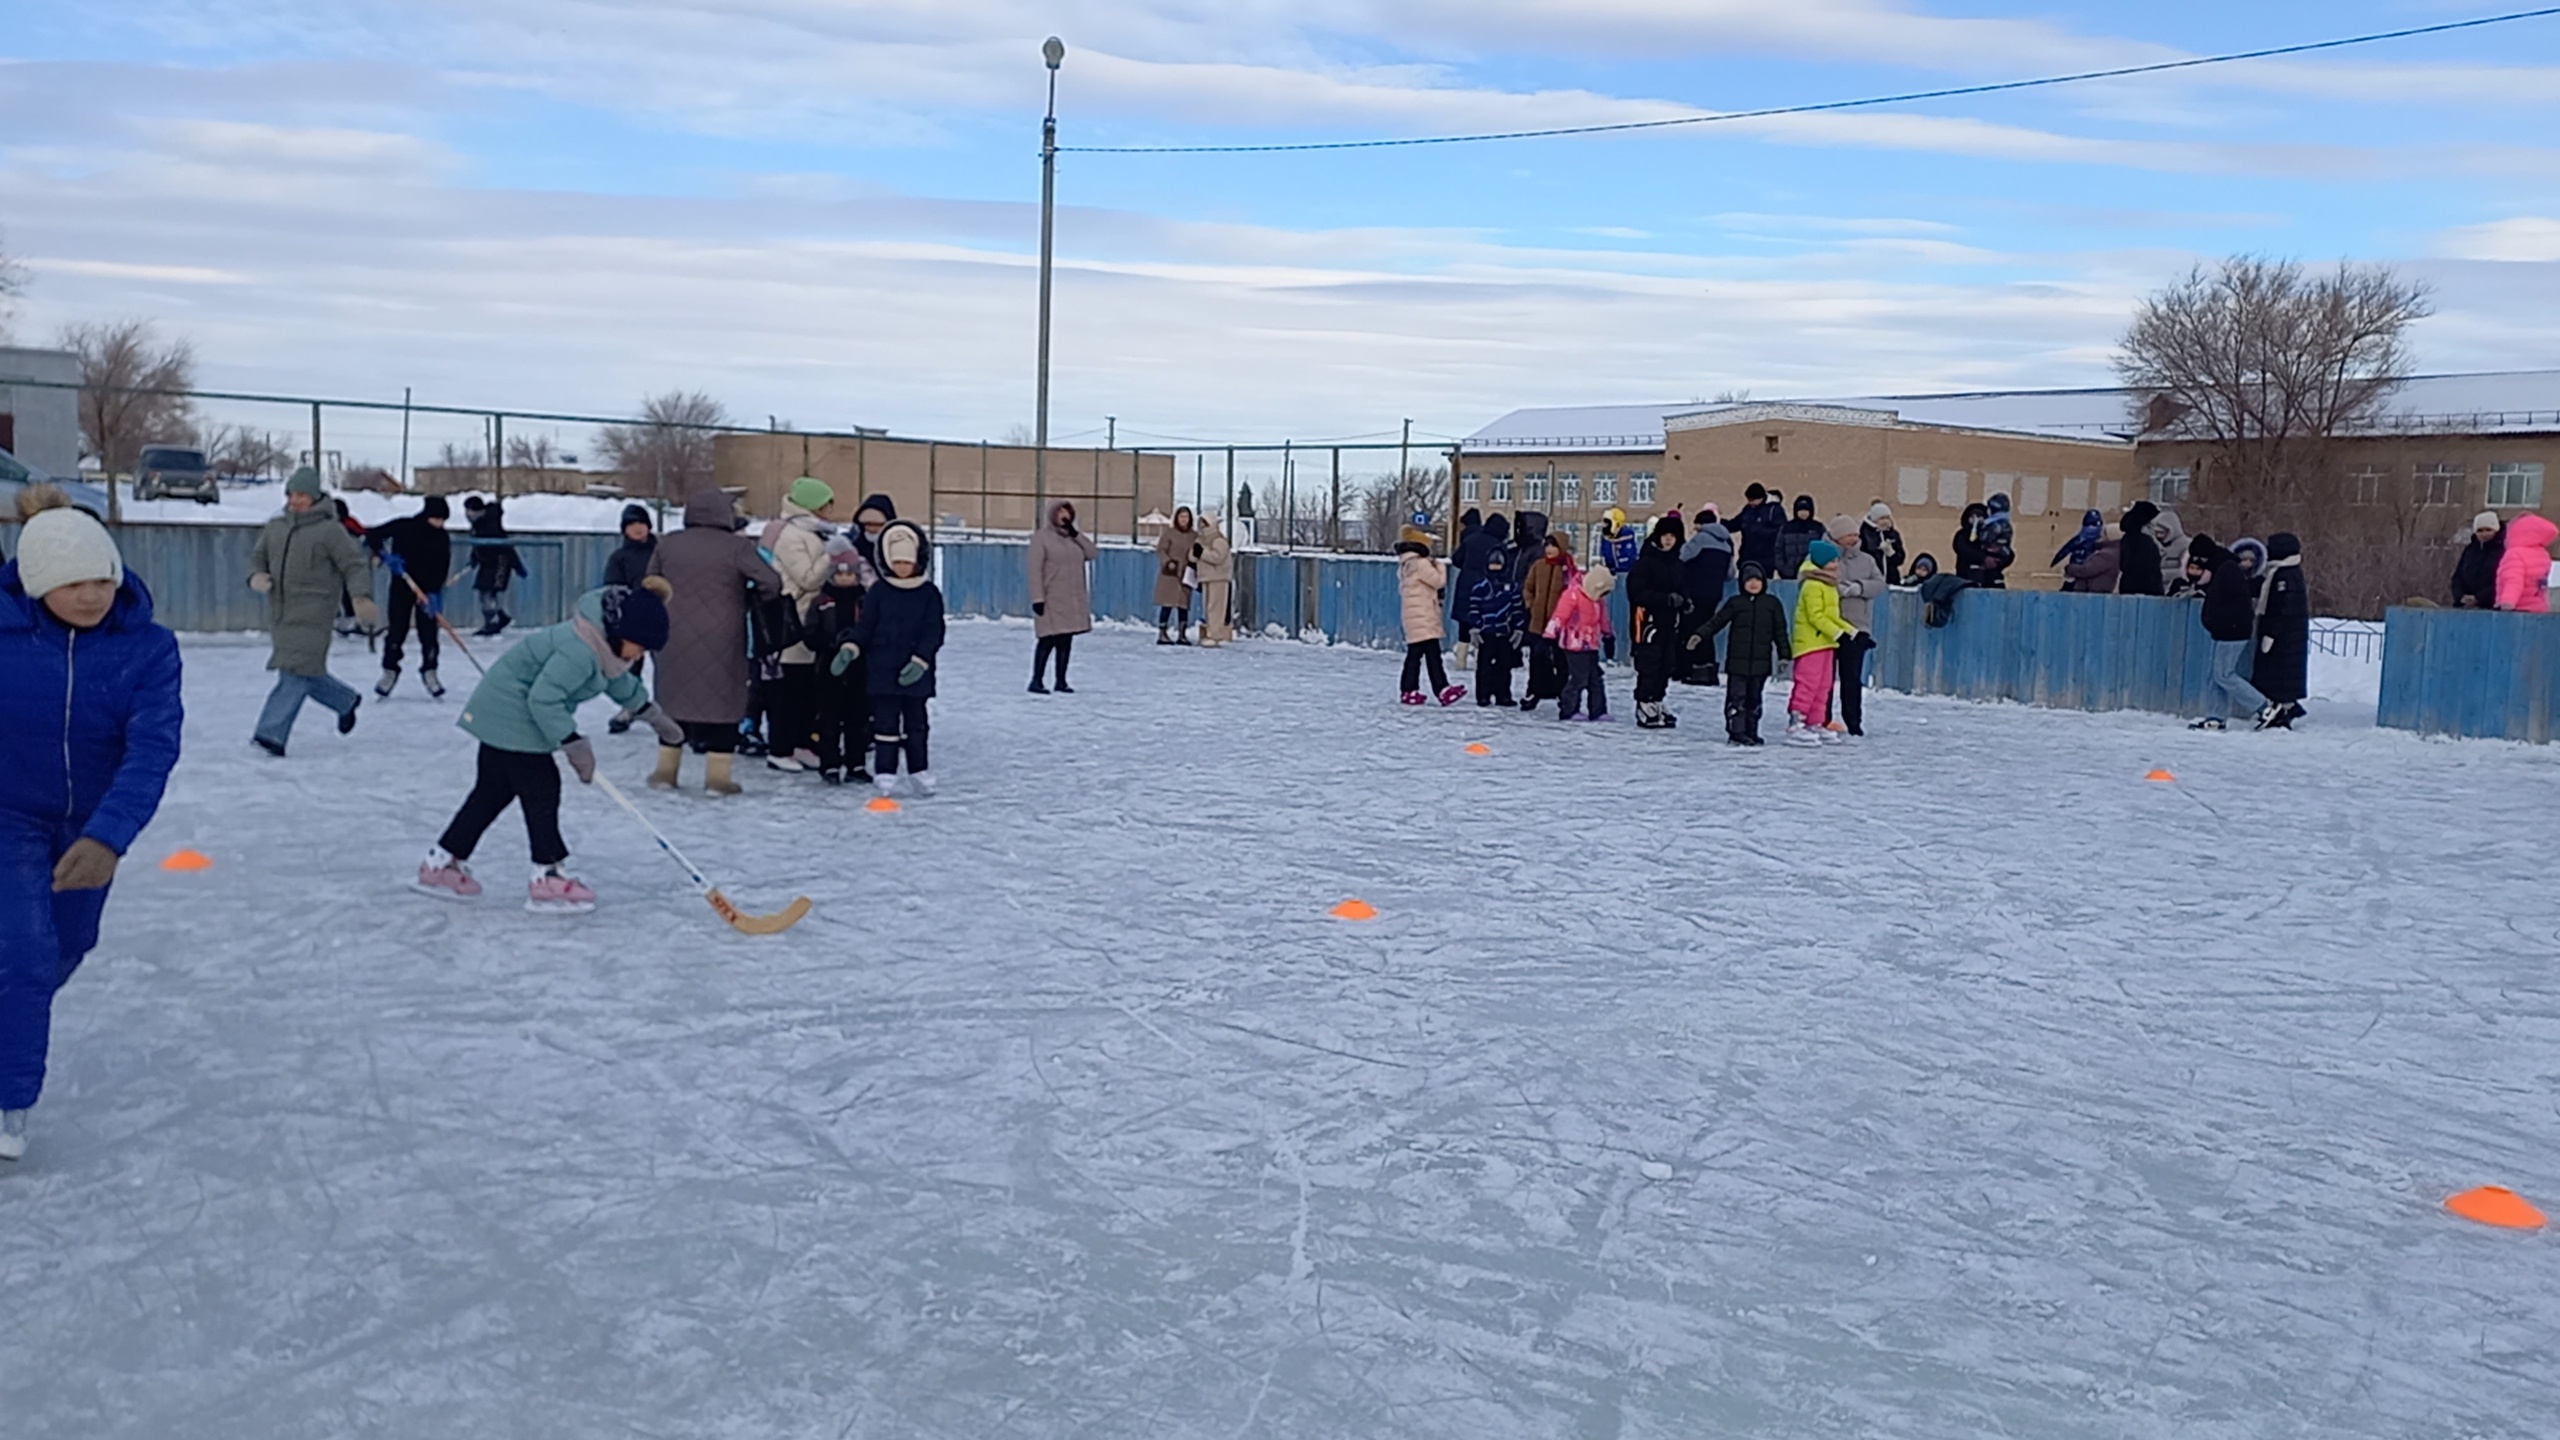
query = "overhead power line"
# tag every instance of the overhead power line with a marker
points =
(2118, 73)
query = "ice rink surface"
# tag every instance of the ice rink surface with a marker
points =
(1959, 1083)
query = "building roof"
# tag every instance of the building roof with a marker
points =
(2499, 402)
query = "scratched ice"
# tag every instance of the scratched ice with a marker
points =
(1960, 1083)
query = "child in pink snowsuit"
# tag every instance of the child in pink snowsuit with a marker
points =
(1579, 625)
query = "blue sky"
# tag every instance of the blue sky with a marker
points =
(826, 211)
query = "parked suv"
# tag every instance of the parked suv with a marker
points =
(170, 472)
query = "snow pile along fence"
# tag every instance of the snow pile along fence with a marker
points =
(2470, 672)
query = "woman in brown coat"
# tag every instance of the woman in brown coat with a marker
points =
(1176, 549)
(1217, 567)
(1061, 593)
(703, 672)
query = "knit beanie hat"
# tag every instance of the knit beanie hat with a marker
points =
(901, 544)
(1804, 504)
(638, 513)
(1878, 513)
(436, 508)
(634, 615)
(810, 494)
(2486, 520)
(1843, 529)
(1822, 552)
(62, 546)
(305, 481)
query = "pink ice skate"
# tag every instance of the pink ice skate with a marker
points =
(553, 893)
(1413, 697)
(450, 880)
(1452, 695)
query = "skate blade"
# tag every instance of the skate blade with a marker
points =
(559, 907)
(442, 893)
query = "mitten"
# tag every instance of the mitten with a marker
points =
(1039, 607)
(662, 724)
(262, 582)
(845, 655)
(435, 602)
(391, 561)
(581, 753)
(913, 671)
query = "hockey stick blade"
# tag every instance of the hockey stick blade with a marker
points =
(746, 924)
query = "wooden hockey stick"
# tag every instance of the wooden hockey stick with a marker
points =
(739, 920)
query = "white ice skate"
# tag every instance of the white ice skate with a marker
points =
(924, 783)
(886, 784)
(13, 1134)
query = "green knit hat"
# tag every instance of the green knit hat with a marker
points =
(810, 494)
(305, 481)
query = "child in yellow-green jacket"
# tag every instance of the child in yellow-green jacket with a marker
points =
(1816, 640)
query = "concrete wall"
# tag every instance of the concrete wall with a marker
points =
(956, 486)
(44, 423)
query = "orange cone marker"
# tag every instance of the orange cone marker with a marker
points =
(1354, 910)
(187, 862)
(882, 805)
(2496, 1205)
(1479, 748)
(2160, 777)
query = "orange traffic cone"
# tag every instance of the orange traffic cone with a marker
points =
(187, 862)
(1479, 748)
(1354, 910)
(2496, 1205)
(882, 805)
(2160, 777)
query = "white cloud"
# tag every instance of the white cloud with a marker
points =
(2525, 237)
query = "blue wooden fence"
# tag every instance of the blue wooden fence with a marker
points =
(2067, 652)
(2470, 672)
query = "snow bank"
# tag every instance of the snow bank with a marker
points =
(1956, 1083)
(254, 504)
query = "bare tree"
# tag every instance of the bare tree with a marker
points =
(132, 393)
(1392, 502)
(13, 283)
(668, 454)
(238, 450)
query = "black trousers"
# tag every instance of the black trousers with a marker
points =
(493, 611)
(1417, 655)
(1696, 662)
(1496, 658)
(1546, 669)
(1582, 683)
(711, 737)
(1656, 650)
(793, 705)
(1062, 646)
(1742, 705)
(899, 722)
(844, 718)
(1851, 667)
(511, 777)
(404, 612)
(1165, 614)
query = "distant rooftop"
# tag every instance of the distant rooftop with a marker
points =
(2499, 402)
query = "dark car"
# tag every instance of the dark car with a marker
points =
(173, 472)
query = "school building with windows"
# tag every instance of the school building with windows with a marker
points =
(2454, 443)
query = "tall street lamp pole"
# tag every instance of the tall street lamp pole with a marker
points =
(1054, 51)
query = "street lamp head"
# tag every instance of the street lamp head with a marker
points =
(1053, 50)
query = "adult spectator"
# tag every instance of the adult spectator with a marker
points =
(798, 544)
(2475, 575)
(494, 563)
(1967, 542)
(1542, 583)
(2169, 533)
(1706, 560)
(1176, 549)
(2138, 568)
(703, 673)
(2231, 621)
(1796, 537)
(2524, 570)
(875, 516)
(627, 566)
(2097, 572)
(418, 553)
(89, 699)
(1755, 529)
(1466, 563)
(1861, 583)
(1061, 594)
(2282, 672)
(1217, 567)
(1882, 541)
(305, 563)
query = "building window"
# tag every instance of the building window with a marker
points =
(1770, 444)
(1569, 488)
(1534, 487)
(1572, 537)
(2035, 494)
(1502, 487)
(2515, 485)
(1469, 487)
(1911, 485)
(2075, 494)
(1604, 487)
(2364, 484)
(2169, 485)
(2438, 484)
(1640, 487)
(1951, 485)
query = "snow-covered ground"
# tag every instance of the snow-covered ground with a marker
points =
(254, 504)
(1956, 1083)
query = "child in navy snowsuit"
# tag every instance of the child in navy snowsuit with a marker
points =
(1499, 620)
(898, 639)
(844, 690)
(2093, 533)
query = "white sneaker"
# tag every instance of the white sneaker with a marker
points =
(925, 783)
(1802, 738)
(784, 763)
(13, 1134)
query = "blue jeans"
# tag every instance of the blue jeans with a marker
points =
(43, 935)
(275, 723)
(2231, 663)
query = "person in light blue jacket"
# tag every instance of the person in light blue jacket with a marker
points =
(89, 703)
(525, 708)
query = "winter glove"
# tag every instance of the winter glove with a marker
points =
(660, 723)
(582, 757)
(435, 602)
(1039, 607)
(914, 670)
(368, 614)
(395, 564)
(87, 865)
(846, 654)
(2266, 643)
(262, 582)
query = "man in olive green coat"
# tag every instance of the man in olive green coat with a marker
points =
(304, 562)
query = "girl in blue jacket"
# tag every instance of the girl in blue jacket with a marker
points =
(89, 701)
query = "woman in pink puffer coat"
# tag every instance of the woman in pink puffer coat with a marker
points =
(2524, 572)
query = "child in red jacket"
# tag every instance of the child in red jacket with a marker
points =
(1579, 627)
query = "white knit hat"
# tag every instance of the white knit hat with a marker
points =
(64, 547)
(2486, 520)
(1879, 511)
